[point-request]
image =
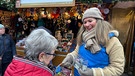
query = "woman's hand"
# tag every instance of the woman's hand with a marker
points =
(86, 72)
(67, 62)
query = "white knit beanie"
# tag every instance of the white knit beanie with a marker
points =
(92, 12)
(1, 26)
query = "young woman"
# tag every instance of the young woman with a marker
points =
(97, 43)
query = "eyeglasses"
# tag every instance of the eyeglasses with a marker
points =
(51, 54)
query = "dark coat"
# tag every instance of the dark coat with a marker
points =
(7, 46)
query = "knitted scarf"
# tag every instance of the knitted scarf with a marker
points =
(91, 43)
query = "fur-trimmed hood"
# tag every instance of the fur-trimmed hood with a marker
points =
(115, 32)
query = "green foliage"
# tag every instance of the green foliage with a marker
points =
(8, 4)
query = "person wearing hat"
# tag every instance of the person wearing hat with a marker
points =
(98, 51)
(7, 49)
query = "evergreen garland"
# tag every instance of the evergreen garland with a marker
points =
(8, 4)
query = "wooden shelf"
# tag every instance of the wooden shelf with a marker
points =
(59, 57)
(20, 51)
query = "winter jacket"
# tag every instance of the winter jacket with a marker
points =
(114, 49)
(7, 46)
(24, 67)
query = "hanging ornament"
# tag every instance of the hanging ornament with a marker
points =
(76, 14)
(79, 17)
(49, 16)
(35, 16)
(69, 21)
(106, 11)
(23, 9)
(66, 15)
(54, 15)
(99, 6)
(28, 12)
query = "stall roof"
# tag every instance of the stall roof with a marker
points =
(125, 4)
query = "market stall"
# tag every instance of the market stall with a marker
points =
(123, 19)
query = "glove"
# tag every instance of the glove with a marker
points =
(86, 72)
(68, 61)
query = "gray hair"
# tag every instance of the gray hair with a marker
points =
(39, 41)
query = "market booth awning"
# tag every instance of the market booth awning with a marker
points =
(125, 4)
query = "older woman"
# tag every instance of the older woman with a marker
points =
(98, 48)
(40, 47)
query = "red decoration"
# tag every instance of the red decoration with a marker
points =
(53, 15)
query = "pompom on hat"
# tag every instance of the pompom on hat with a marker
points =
(2, 26)
(92, 12)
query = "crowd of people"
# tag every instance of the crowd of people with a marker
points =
(98, 51)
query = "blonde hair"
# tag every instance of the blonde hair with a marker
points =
(102, 29)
